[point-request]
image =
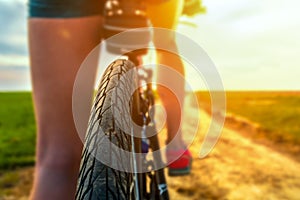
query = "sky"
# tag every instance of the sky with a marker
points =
(254, 44)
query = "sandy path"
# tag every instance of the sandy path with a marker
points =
(237, 168)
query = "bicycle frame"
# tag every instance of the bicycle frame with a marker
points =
(144, 103)
(143, 100)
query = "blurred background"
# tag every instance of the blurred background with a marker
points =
(254, 44)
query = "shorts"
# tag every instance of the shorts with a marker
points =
(65, 8)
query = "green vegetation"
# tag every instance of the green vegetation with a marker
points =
(276, 112)
(17, 130)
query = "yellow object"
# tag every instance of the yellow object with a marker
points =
(165, 15)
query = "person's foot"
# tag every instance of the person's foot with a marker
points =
(180, 162)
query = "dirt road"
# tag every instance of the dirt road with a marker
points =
(237, 168)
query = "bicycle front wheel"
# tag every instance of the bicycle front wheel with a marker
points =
(103, 174)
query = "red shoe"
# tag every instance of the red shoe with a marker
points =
(180, 166)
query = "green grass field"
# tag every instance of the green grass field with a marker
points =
(277, 113)
(17, 130)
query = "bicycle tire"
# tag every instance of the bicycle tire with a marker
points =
(97, 180)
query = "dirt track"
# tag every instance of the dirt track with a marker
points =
(237, 168)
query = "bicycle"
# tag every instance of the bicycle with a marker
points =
(117, 96)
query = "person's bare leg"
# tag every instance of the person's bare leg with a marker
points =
(172, 100)
(171, 11)
(57, 48)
